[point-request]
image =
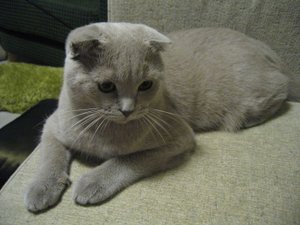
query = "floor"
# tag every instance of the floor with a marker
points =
(6, 117)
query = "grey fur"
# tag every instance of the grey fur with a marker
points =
(205, 79)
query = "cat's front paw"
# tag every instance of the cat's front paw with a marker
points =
(91, 190)
(44, 193)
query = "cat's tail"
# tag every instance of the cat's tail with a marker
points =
(294, 88)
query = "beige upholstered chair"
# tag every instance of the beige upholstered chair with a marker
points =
(249, 177)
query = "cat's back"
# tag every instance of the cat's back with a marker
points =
(210, 71)
(215, 56)
(216, 47)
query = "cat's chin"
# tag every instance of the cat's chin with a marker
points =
(121, 121)
(125, 120)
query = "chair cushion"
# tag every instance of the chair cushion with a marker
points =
(248, 177)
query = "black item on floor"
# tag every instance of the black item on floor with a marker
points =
(36, 29)
(20, 137)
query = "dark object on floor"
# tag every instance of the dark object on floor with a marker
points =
(19, 138)
(36, 30)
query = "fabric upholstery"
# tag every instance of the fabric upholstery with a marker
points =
(273, 22)
(248, 177)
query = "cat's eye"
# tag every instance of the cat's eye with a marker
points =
(145, 85)
(107, 87)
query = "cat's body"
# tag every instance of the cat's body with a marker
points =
(222, 79)
(126, 101)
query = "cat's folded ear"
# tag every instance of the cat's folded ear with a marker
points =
(156, 41)
(85, 44)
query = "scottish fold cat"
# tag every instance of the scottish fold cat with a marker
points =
(134, 97)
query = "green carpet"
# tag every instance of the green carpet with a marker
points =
(24, 85)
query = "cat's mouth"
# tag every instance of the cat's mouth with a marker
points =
(123, 119)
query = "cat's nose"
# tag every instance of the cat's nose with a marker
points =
(126, 113)
(126, 106)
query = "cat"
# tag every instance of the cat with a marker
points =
(134, 97)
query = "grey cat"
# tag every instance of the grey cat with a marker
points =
(134, 99)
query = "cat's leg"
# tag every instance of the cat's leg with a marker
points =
(232, 121)
(264, 115)
(252, 116)
(264, 106)
(52, 176)
(115, 174)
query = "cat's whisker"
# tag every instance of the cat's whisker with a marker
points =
(172, 116)
(98, 126)
(146, 124)
(156, 121)
(106, 125)
(90, 123)
(75, 115)
(166, 112)
(80, 110)
(82, 121)
(79, 115)
(158, 117)
(103, 122)
(154, 127)
(77, 138)
(141, 122)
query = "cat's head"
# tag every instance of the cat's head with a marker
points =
(115, 68)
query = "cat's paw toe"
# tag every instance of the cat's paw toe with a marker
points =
(34, 198)
(87, 192)
(43, 194)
